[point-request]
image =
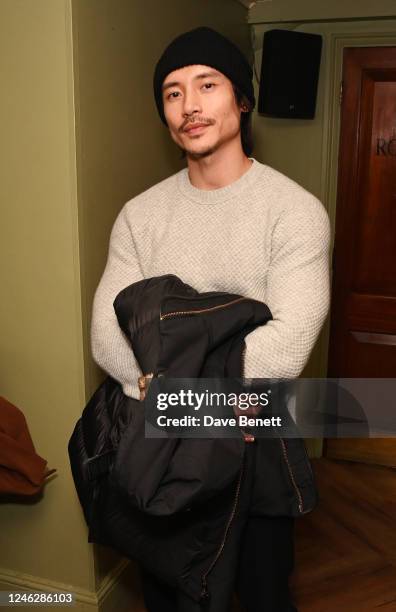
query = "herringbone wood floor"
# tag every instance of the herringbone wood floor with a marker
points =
(346, 547)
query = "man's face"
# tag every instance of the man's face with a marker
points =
(200, 109)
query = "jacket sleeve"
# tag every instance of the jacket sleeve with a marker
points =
(297, 292)
(110, 348)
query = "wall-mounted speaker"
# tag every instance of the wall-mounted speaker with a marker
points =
(289, 74)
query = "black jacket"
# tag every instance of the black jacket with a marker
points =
(170, 502)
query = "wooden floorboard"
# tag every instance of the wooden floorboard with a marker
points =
(346, 547)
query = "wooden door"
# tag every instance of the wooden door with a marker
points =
(363, 311)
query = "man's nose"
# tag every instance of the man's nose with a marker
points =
(191, 103)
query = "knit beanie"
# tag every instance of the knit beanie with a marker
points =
(209, 48)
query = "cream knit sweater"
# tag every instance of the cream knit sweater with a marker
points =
(263, 236)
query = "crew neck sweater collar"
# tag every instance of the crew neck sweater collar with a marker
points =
(216, 196)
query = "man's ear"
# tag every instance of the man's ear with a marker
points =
(245, 105)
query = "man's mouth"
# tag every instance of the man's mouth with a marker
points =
(194, 128)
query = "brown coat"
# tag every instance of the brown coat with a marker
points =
(22, 470)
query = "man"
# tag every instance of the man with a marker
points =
(224, 223)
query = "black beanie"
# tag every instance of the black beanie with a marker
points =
(209, 48)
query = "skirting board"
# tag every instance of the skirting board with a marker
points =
(119, 590)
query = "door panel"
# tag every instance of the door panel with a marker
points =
(363, 313)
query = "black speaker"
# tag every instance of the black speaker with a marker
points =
(289, 74)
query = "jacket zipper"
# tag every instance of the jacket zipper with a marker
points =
(283, 444)
(205, 592)
(177, 313)
(243, 360)
(298, 492)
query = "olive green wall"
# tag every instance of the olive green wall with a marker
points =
(80, 136)
(40, 323)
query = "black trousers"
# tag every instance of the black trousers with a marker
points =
(259, 572)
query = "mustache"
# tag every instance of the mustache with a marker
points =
(191, 120)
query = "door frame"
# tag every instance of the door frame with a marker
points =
(332, 127)
(337, 42)
(341, 35)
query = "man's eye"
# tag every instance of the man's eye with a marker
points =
(173, 94)
(208, 85)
